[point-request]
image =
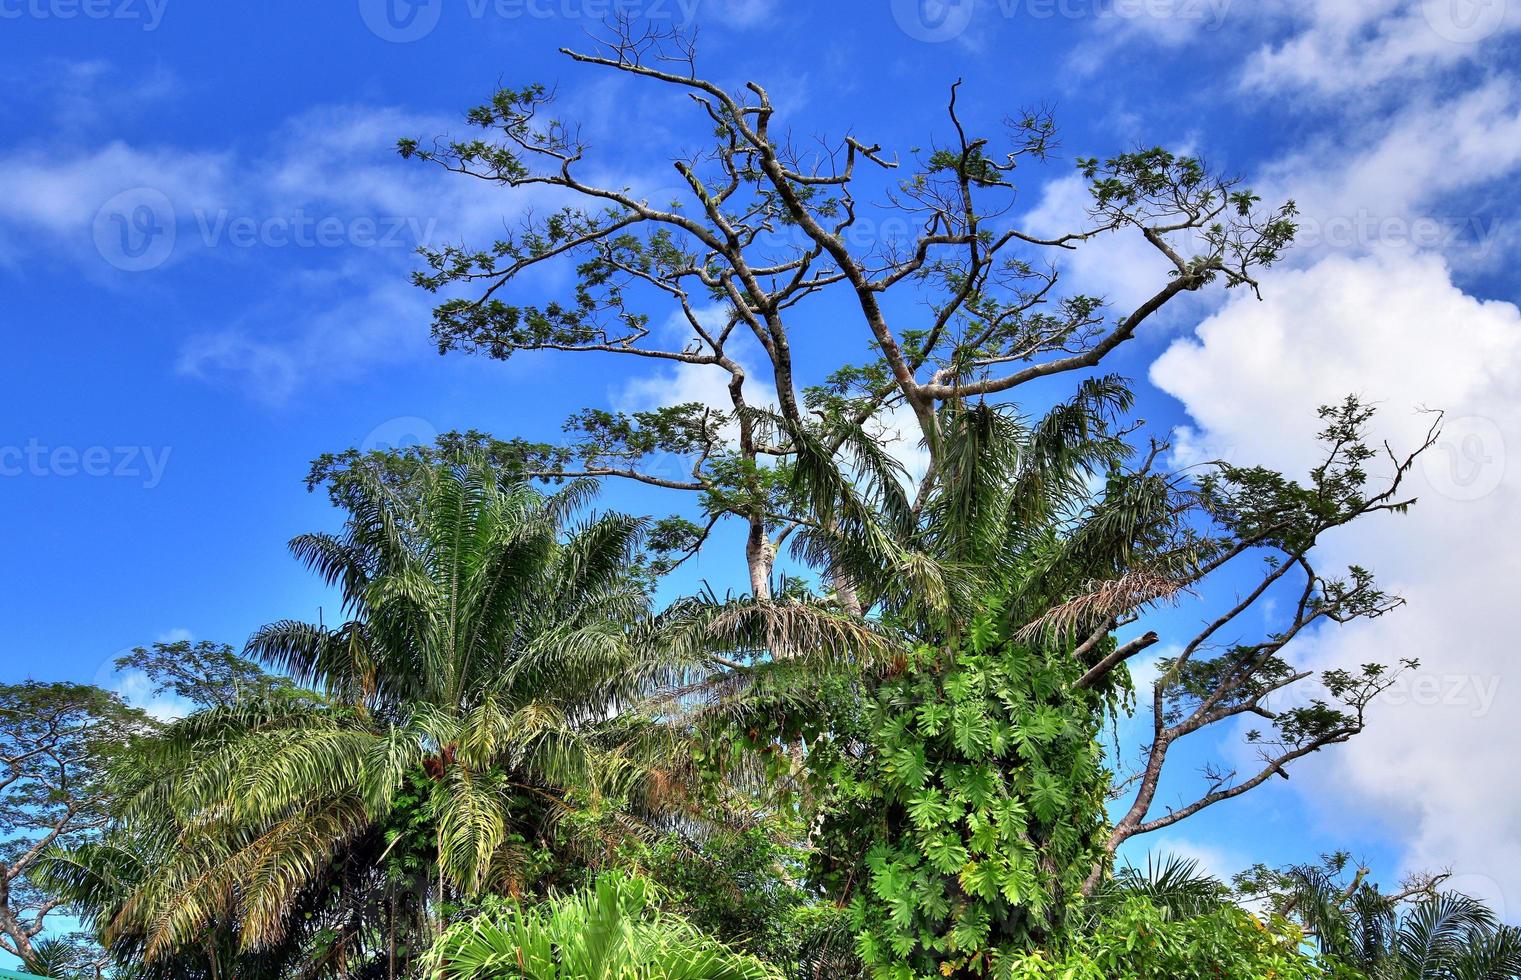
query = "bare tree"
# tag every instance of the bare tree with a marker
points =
(962, 304)
(1210, 682)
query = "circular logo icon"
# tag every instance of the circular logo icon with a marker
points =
(1468, 461)
(1465, 21)
(135, 230)
(933, 21)
(408, 432)
(401, 21)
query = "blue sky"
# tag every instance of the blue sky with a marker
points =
(166, 390)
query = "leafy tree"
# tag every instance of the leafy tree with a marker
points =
(929, 717)
(613, 929)
(965, 803)
(56, 744)
(748, 889)
(203, 674)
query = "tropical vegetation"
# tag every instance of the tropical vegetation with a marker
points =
(527, 746)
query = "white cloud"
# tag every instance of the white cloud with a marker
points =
(332, 190)
(137, 690)
(77, 97)
(374, 325)
(1397, 331)
(1336, 47)
(1121, 267)
(1326, 49)
(61, 194)
(1403, 181)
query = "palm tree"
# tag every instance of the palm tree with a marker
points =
(478, 690)
(1177, 886)
(1438, 936)
(986, 577)
(609, 930)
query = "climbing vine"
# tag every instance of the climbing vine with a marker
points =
(974, 788)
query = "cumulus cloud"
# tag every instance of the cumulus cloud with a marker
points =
(1396, 330)
(1321, 49)
(1334, 48)
(1400, 181)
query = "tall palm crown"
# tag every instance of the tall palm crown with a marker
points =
(479, 682)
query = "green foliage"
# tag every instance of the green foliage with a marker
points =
(979, 805)
(58, 744)
(1420, 933)
(471, 700)
(733, 885)
(1141, 942)
(203, 674)
(613, 929)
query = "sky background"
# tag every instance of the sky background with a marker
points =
(206, 236)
